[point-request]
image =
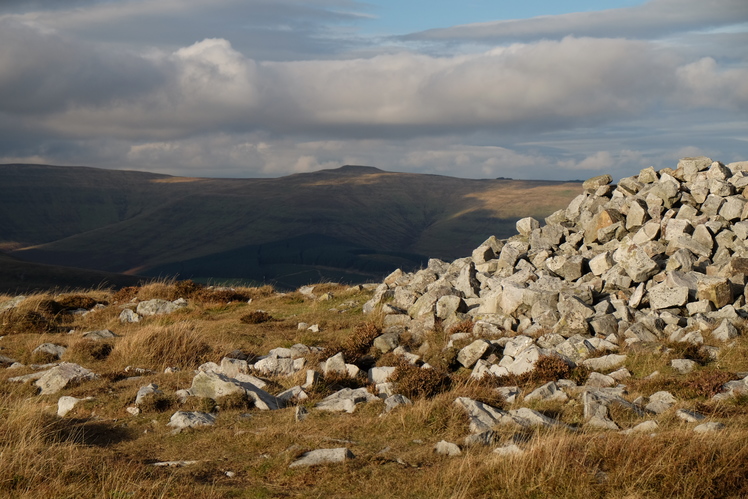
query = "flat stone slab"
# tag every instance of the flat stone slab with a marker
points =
(59, 377)
(103, 334)
(604, 363)
(160, 307)
(709, 427)
(66, 404)
(322, 456)
(345, 400)
(181, 420)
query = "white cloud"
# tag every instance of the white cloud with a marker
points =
(554, 108)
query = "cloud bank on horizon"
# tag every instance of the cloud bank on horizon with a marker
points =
(244, 88)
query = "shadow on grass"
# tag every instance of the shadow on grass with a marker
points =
(86, 432)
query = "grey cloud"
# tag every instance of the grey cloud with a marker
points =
(208, 86)
(42, 73)
(654, 19)
(261, 29)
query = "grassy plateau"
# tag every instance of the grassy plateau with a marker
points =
(101, 450)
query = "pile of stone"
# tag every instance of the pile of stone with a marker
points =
(661, 256)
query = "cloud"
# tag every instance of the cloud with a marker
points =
(704, 84)
(654, 19)
(261, 29)
(43, 72)
(235, 104)
(541, 86)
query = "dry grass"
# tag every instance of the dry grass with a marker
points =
(99, 450)
(158, 347)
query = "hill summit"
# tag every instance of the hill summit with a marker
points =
(351, 224)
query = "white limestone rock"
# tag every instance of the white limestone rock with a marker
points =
(322, 456)
(59, 377)
(160, 307)
(445, 448)
(181, 420)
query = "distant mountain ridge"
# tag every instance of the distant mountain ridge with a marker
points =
(352, 223)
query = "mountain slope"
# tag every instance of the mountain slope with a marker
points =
(151, 224)
(17, 276)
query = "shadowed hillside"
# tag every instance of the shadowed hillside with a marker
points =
(17, 276)
(351, 224)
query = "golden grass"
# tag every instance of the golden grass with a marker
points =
(99, 450)
(158, 347)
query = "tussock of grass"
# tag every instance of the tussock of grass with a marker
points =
(415, 382)
(359, 341)
(256, 317)
(158, 347)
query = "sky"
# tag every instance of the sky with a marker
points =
(538, 89)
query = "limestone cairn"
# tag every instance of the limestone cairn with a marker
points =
(660, 256)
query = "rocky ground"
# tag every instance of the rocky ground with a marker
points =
(600, 353)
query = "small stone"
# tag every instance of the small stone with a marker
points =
(646, 426)
(597, 380)
(65, 404)
(469, 355)
(380, 374)
(144, 391)
(103, 334)
(725, 331)
(394, 401)
(689, 416)
(447, 448)
(549, 392)
(322, 456)
(605, 362)
(160, 307)
(683, 366)
(128, 316)
(710, 427)
(59, 377)
(509, 450)
(181, 420)
(660, 402)
(300, 413)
